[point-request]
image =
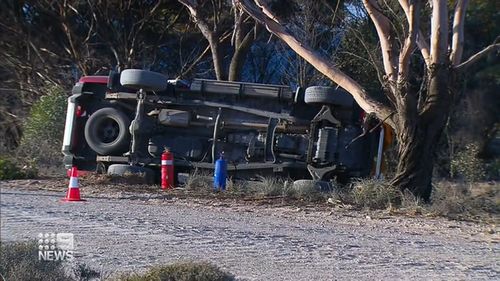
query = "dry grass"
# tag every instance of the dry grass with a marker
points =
(126, 179)
(476, 201)
(471, 201)
(199, 181)
(374, 194)
(266, 187)
(182, 271)
(455, 200)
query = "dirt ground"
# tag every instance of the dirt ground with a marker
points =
(118, 230)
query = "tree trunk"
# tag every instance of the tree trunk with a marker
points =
(239, 58)
(416, 160)
(213, 41)
(237, 62)
(418, 134)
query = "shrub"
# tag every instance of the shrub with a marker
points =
(267, 186)
(467, 165)
(10, 171)
(199, 180)
(465, 200)
(182, 271)
(374, 194)
(19, 261)
(44, 128)
(83, 272)
(237, 187)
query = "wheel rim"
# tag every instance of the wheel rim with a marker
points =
(108, 130)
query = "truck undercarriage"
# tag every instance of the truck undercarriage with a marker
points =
(131, 117)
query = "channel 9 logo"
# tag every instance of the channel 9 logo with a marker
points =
(55, 246)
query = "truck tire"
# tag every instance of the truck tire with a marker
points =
(106, 131)
(143, 79)
(328, 95)
(146, 174)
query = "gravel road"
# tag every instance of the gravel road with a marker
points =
(131, 233)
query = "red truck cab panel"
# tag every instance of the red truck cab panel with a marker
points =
(94, 79)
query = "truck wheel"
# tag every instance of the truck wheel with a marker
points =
(146, 174)
(328, 95)
(106, 131)
(143, 79)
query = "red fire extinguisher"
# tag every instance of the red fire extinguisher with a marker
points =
(167, 169)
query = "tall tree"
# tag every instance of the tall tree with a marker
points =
(417, 114)
(212, 18)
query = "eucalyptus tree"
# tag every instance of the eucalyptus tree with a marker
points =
(416, 110)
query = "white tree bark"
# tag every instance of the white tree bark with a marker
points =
(457, 44)
(439, 32)
(422, 44)
(477, 56)
(409, 45)
(383, 27)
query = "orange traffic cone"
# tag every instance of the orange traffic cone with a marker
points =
(73, 193)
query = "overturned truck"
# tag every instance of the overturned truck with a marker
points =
(124, 121)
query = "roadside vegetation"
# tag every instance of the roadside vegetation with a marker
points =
(39, 150)
(43, 131)
(10, 170)
(19, 261)
(181, 271)
(459, 199)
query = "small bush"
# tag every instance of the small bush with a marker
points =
(19, 261)
(465, 200)
(237, 187)
(44, 128)
(199, 180)
(374, 194)
(182, 271)
(467, 165)
(83, 272)
(267, 186)
(10, 171)
(411, 203)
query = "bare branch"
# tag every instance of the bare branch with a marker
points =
(370, 55)
(209, 34)
(191, 66)
(365, 101)
(382, 25)
(457, 44)
(439, 31)
(479, 55)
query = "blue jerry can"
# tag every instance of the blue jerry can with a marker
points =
(220, 173)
